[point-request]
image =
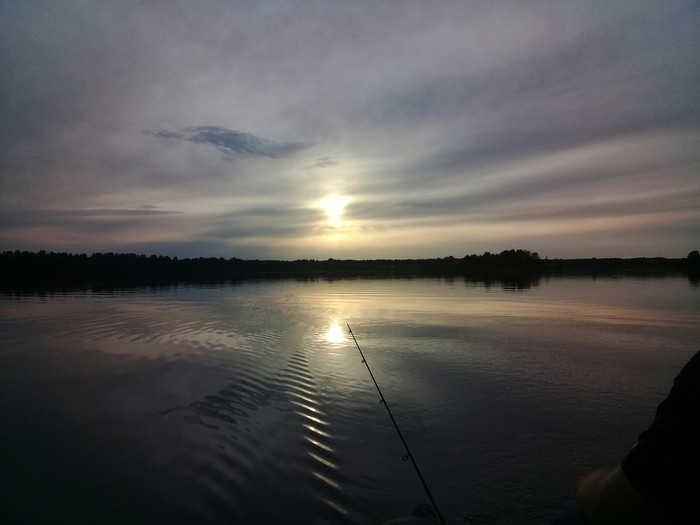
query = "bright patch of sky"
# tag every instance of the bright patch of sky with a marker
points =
(350, 129)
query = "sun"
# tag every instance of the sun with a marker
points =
(334, 206)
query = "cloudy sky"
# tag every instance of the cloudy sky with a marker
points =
(350, 129)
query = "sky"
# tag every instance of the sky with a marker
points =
(350, 129)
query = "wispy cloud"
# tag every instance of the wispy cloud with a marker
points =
(232, 142)
(450, 128)
(322, 162)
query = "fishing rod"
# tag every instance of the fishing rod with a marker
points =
(408, 455)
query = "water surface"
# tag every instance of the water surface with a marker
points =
(248, 403)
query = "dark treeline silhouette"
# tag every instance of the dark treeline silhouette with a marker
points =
(23, 268)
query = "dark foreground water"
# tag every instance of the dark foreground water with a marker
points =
(249, 404)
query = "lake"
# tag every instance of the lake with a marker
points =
(249, 403)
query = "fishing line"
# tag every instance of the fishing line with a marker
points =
(408, 455)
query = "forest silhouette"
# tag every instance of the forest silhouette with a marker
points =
(24, 269)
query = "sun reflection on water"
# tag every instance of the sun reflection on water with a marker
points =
(335, 334)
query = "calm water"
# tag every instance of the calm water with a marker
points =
(249, 404)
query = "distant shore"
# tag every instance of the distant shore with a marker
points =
(21, 269)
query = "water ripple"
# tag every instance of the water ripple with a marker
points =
(256, 448)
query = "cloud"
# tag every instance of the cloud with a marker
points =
(458, 124)
(232, 142)
(97, 222)
(322, 162)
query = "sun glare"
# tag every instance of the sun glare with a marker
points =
(335, 334)
(334, 206)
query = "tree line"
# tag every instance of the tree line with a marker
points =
(50, 268)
